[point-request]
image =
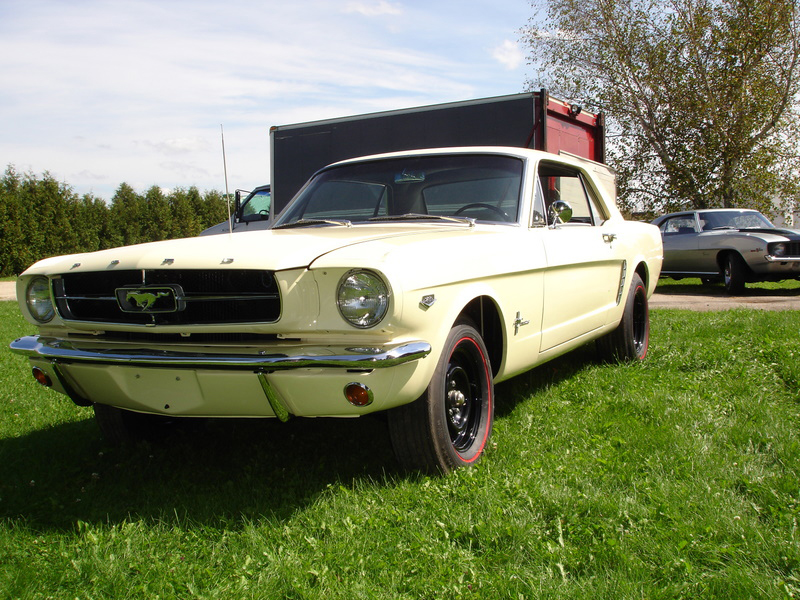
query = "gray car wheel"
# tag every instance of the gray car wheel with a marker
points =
(733, 272)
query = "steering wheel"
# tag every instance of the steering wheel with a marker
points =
(483, 205)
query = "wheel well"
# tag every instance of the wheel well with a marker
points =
(641, 270)
(482, 311)
(723, 255)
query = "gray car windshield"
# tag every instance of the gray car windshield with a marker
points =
(733, 219)
(454, 187)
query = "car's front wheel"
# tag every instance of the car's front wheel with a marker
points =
(119, 426)
(733, 272)
(449, 425)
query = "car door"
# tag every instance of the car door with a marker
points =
(680, 237)
(582, 278)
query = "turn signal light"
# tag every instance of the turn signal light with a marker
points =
(42, 377)
(358, 394)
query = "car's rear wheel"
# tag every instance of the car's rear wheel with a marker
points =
(449, 425)
(733, 273)
(631, 339)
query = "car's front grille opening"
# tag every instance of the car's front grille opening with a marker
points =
(197, 297)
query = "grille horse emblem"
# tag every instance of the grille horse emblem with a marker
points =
(144, 300)
(150, 299)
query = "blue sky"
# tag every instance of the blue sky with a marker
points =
(101, 92)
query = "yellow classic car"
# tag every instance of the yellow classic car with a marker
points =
(408, 282)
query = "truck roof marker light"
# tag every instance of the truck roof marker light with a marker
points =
(358, 394)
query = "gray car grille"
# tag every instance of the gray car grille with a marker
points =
(198, 297)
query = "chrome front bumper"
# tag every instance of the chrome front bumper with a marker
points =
(290, 357)
(781, 259)
(59, 354)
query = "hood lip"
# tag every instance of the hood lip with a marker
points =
(240, 247)
(789, 234)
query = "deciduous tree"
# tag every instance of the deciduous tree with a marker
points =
(701, 96)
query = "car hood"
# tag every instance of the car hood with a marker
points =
(271, 250)
(792, 234)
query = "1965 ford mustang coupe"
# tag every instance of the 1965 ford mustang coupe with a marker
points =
(408, 283)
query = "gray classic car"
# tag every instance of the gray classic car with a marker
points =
(734, 246)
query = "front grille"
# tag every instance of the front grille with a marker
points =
(202, 297)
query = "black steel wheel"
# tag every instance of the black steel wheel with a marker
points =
(631, 339)
(449, 425)
(119, 426)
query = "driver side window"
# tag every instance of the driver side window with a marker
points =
(559, 183)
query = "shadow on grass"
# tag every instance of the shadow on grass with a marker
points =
(216, 473)
(208, 472)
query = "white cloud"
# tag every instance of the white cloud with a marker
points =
(373, 9)
(509, 54)
(172, 147)
(103, 93)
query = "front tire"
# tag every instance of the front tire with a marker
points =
(120, 427)
(449, 426)
(733, 272)
(630, 340)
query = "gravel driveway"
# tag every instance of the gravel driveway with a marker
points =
(704, 297)
(8, 290)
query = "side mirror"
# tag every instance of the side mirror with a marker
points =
(560, 212)
(237, 203)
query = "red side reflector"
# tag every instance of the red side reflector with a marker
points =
(42, 377)
(358, 394)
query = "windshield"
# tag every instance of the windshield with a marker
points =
(734, 219)
(482, 187)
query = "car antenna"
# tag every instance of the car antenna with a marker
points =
(225, 170)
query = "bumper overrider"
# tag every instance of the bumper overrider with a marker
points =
(59, 356)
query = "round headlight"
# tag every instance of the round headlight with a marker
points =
(779, 249)
(37, 297)
(363, 298)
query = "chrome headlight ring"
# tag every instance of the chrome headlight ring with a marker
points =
(363, 298)
(38, 299)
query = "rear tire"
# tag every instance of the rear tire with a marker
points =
(449, 426)
(630, 340)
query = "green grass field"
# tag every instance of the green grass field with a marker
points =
(675, 478)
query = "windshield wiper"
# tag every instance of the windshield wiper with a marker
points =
(304, 222)
(419, 216)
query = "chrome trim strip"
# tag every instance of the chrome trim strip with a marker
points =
(275, 402)
(67, 386)
(184, 297)
(272, 359)
(780, 259)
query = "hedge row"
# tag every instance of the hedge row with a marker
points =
(41, 217)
